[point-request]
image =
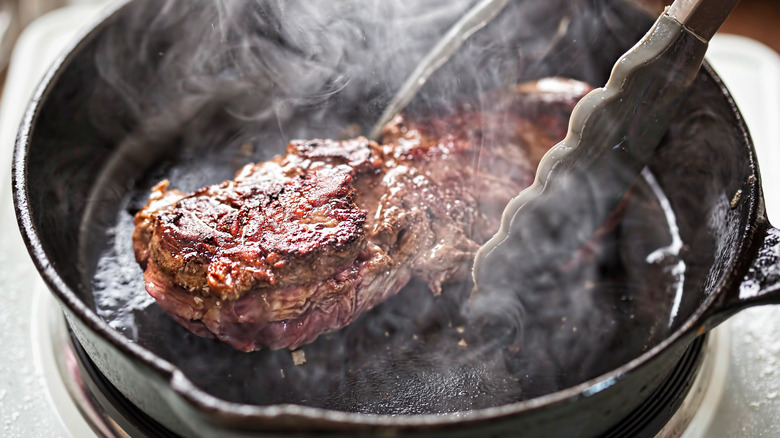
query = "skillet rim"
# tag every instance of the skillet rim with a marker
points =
(204, 402)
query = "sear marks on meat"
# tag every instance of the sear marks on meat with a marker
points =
(273, 225)
(304, 243)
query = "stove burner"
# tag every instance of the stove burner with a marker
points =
(122, 418)
(661, 406)
(131, 421)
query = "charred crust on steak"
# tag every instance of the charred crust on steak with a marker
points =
(255, 232)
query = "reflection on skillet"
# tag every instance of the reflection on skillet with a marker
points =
(414, 353)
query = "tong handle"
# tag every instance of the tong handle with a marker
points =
(702, 17)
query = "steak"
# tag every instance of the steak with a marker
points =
(304, 243)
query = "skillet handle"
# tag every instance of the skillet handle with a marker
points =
(761, 283)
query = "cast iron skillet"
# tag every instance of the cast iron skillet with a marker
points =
(73, 175)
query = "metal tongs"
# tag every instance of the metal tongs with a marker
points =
(613, 132)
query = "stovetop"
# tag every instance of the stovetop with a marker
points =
(741, 398)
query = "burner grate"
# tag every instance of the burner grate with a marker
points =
(662, 404)
(124, 415)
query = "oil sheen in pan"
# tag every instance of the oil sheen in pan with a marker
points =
(414, 353)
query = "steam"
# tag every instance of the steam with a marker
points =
(262, 60)
(232, 82)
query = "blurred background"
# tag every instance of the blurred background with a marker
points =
(756, 19)
(16, 14)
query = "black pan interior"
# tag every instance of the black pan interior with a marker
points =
(115, 124)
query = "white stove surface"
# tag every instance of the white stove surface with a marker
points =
(34, 404)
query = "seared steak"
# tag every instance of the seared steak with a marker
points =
(303, 244)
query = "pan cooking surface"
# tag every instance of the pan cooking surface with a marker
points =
(415, 353)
